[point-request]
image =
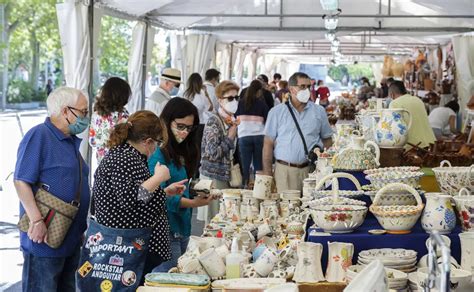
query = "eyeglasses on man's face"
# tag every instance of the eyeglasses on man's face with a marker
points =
(84, 112)
(302, 86)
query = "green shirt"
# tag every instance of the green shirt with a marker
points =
(420, 130)
(179, 218)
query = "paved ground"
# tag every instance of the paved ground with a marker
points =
(11, 260)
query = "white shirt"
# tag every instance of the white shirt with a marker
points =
(211, 90)
(157, 101)
(439, 117)
(201, 102)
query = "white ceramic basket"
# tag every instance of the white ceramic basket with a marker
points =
(452, 178)
(398, 219)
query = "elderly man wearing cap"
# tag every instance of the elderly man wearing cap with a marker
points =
(169, 79)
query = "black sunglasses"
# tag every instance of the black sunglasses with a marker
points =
(231, 98)
(184, 127)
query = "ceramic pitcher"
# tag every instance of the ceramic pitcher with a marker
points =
(339, 259)
(467, 250)
(359, 155)
(308, 268)
(438, 213)
(392, 130)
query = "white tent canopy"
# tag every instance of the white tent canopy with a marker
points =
(296, 27)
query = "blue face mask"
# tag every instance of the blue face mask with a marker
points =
(79, 126)
(174, 91)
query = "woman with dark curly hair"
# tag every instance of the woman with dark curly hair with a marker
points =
(109, 110)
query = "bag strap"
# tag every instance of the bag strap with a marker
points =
(222, 124)
(298, 128)
(77, 198)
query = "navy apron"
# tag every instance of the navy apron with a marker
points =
(112, 259)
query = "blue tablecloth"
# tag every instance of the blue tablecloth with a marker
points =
(363, 240)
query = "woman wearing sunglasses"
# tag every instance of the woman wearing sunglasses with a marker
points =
(181, 156)
(218, 143)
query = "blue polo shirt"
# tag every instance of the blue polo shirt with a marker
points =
(281, 128)
(179, 218)
(48, 156)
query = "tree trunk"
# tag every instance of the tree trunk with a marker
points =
(35, 61)
(7, 30)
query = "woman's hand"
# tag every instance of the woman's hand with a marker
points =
(162, 173)
(232, 132)
(37, 232)
(202, 201)
(176, 188)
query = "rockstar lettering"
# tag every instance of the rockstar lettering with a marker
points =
(107, 272)
(111, 248)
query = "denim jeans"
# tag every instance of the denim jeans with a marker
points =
(49, 274)
(178, 248)
(251, 148)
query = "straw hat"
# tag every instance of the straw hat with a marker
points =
(171, 74)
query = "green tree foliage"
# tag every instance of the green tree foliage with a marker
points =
(114, 46)
(351, 71)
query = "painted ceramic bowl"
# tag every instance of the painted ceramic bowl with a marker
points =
(389, 169)
(341, 193)
(330, 201)
(339, 218)
(458, 278)
(379, 180)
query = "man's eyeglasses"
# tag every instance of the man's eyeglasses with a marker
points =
(84, 112)
(302, 86)
(231, 98)
(184, 127)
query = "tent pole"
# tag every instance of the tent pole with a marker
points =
(144, 61)
(91, 77)
(230, 61)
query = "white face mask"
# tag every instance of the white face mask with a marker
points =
(303, 96)
(230, 106)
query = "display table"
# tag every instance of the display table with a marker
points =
(363, 240)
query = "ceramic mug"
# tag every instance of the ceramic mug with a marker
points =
(262, 188)
(193, 266)
(266, 262)
(249, 271)
(263, 230)
(222, 251)
(278, 274)
(212, 263)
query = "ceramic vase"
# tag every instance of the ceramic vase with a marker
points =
(438, 214)
(339, 259)
(392, 130)
(467, 250)
(262, 189)
(308, 268)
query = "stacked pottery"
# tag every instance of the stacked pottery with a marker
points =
(232, 202)
(395, 258)
(392, 131)
(250, 207)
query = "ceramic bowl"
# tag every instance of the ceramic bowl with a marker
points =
(381, 179)
(396, 279)
(339, 218)
(389, 169)
(458, 278)
(396, 198)
(290, 195)
(342, 193)
(330, 201)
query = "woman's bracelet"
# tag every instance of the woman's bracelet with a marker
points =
(35, 223)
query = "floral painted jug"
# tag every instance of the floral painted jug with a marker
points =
(438, 214)
(339, 259)
(392, 131)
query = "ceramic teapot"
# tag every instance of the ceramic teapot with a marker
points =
(392, 131)
(358, 155)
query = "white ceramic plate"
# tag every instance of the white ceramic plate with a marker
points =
(388, 253)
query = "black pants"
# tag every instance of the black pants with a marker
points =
(153, 260)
